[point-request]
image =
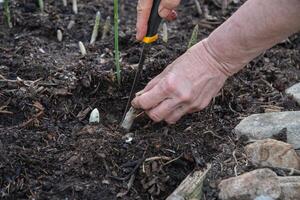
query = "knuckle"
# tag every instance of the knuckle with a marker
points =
(142, 103)
(186, 96)
(170, 86)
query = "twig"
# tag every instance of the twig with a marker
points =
(172, 160)
(236, 163)
(290, 171)
(32, 119)
(131, 173)
(158, 158)
(199, 10)
(211, 132)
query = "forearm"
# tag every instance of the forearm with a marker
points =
(255, 27)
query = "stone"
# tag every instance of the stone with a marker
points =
(266, 125)
(262, 197)
(272, 153)
(290, 187)
(260, 182)
(294, 91)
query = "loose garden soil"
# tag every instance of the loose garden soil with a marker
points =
(47, 90)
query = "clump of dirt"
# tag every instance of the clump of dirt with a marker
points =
(47, 90)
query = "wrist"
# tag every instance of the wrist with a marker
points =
(206, 54)
(232, 57)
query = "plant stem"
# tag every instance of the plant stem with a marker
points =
(41, 5)
(116, 37)
(106, 28)
(82, 48)
(96, 28)
(65, 2)
(74, 6)
(7, 13)
(194, 37)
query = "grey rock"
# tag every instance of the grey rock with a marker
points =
(290, 187)
(272, 153)
(260, 182)
(263, 197)
(262, 126)
(294, 91)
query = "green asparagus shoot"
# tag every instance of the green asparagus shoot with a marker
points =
(7, 13)
(41, 5)
(165, 33)
(106, 28)
(74, 6)
(194, 37)
(96, 28)
(116, 37)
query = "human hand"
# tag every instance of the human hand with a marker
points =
(166, 11)
(187, 85)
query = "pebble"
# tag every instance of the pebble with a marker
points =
(260, 182)
(272, 153)
(290, 187)
(294, 91)
(266, 125)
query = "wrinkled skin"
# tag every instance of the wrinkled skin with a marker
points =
(187, 85)
(192, 80)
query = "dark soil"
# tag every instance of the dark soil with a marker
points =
(47, 90)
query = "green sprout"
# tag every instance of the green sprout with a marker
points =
(65, 3)
(74, 6)
(165, 33)
(106, 28)
(116, 37)
(96, 28)
(7, 13)
(41, 5)
(194, 37)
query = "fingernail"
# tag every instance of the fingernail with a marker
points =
(139, 93)
(134, 103)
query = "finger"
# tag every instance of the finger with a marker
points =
(170, 4)
(206, 95)
(155, 80)
(150, 85)
(158, 113)
(176, 114)
(161, 91)
(172, 15)
(143, 13)
(166, 8)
